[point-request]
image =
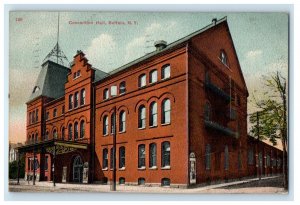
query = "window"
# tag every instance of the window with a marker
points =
(250, 156)
(122, 121)
(105, 94)
(142, 80)
(63, 133)
(165, 154)
(63, 110)
(82, 129)
(121, 180)
(153, 76)
(226, 160)
(142, 153)
(207, 111)
(223, 57)
(36, 88)
(112, 123)
(76, 100)
(105, 125)
(74, 75)
(54, 112)
(105, 159)
(153, 114)
(30, 118)
(37, 115)
(152, 155)
(122, 157)
(46, 163)
(33, 117)
(141, 181)
(166, 112)
(166, 71)
(207, 156)
(122, 88)
(70, 132)
(54, 134)
(46, 136)
(165, 182)
(76, 130)
(142, 117)
(111, 158)
(70, 102)
(82, 97)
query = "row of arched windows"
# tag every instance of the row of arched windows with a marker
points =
(78, 132)
(33, 116)
(74, 100)
(122, 123)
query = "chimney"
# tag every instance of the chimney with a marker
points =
(159, 45)
(214, 21)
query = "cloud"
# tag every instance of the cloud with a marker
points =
(143, 44)
(254, 54)
(101, 52)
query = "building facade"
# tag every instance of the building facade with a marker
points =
(179, 115)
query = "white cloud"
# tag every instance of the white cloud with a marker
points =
(254, 54)
(101, 52)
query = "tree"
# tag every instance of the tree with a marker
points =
(272, 123)
(13, 168)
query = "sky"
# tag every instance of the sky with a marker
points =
(260, 39)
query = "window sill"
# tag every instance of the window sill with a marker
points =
(142, 128)
(164, 79)
(153, 126)
(122, 169)
(142, 168)
(121, 132)
(165, 124)
(105, 169)
(105, 135)
(153, 168)
(166, 168)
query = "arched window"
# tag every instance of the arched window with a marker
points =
(46, 136)
(70, 130)
(122, 157)
(152, 155)
(70, 102)
(105, 125)
(111, 158)
(166, 112)
(54, 112)
(105, 94)
(142, 80)
(153, 76)
(141, 181)
(122, 87)
(166, 71)
(105, 159)
(142, 117)
(76, 130)
(54, 134)
(33, 114)
(82, 97)
(82, 129)
(142, 153)
(76, 99)
(207, 156)
(223, 57)
(165, 182)
(153, 114)
(226, 156)
(63, 133)
(122, 121)
(165, 154)
(207, 111)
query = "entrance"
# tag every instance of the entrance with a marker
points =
(77, 169)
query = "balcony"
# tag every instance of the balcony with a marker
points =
(220, 128)
(215, 89)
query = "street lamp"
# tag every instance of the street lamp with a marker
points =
(113, 93)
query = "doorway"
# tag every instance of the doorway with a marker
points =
(77, 169)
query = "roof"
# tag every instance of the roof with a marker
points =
(51, 81)
(171, 45)
(99, 74)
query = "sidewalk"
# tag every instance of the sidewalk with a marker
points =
(230, 187)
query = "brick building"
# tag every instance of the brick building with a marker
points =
(179, 115)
